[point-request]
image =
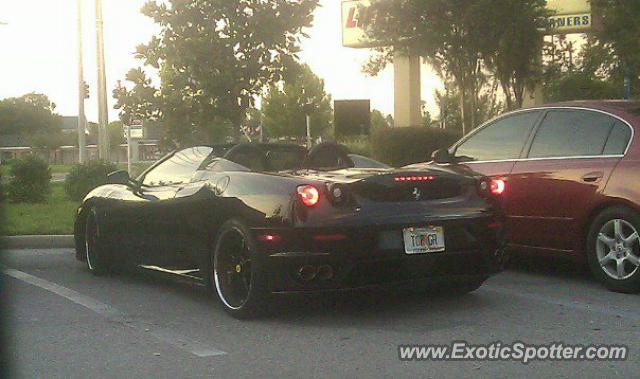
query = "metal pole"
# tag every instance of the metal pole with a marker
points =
(308, 131)
(103, 115)
(82, 120)
(129, 149)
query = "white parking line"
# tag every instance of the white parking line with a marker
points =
(113, 314)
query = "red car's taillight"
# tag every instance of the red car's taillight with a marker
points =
(309, 195)
(495, 187)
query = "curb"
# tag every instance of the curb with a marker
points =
(37, 242)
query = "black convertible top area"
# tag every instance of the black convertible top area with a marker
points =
(276, 157)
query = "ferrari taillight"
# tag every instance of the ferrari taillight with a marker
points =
(309, 195)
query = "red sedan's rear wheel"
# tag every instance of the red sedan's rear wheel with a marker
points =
(237, 275)
(613, 249)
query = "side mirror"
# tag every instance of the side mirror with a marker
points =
(442, 156)
(119, 177)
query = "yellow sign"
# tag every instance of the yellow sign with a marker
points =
(573, 23)
(569, 7)
(353, 24)
(570, 16)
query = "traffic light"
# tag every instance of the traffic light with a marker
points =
(86, 90)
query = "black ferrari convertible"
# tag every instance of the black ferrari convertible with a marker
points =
(254, 220)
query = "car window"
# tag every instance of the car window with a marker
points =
(282, 159)
(618, 139)
(571, 133)
(179, 168)
(222, 165)
(363, 162)
(504, 139)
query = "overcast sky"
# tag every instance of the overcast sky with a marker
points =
(38, 52)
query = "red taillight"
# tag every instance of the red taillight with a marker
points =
(493, 187)
(269, 238)
(309, 195)
(497, 186)
(414, 178)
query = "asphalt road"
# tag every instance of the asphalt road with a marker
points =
(66, 323)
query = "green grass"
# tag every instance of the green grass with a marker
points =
(54, 217)
(60, 168)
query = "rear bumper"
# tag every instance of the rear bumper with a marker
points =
(375, 256)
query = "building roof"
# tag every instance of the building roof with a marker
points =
(69, 123)
(13, 140)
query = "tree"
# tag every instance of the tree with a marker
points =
(378, 121)
(285, 105)
(512, 45)
(594, 72)
(213, 58)
(114, 129)
(487, 107)
(458, 38)
(33, 117)
(620, 34)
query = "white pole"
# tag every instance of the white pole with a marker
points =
(129, 149)
(103, 115)
(308, 132)
(82, 143)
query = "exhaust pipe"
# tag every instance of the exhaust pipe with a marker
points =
(325, 272)
(307, 273)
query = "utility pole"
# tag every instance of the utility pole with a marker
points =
(307, 106)
(82, 120)
(103, 116)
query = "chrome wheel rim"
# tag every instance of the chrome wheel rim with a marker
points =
(618, 249)
(232, 269)
(91, 242)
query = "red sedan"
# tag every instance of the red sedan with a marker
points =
(572, 182)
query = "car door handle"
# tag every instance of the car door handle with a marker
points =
(593, 177)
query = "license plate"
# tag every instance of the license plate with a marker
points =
(424, 240)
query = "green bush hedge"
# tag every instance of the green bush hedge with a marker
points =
(84, 177)
(30, 177)
(358, 145)
(403, 146)
(1, 188)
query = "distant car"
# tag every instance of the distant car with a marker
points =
(572, 175)
(253, 220)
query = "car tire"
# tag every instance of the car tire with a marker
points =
(613, 249)
(97, 256)
(237, 276)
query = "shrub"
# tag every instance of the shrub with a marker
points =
(403, 146)
(358, 145)
(1, 187)
(84, 177)
(30, 176)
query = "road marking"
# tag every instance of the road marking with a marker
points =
(113, 314)
(567, 303)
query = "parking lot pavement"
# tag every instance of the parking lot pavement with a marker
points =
(65, 322)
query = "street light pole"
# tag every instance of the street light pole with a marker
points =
(103, 117)
(82, 120)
